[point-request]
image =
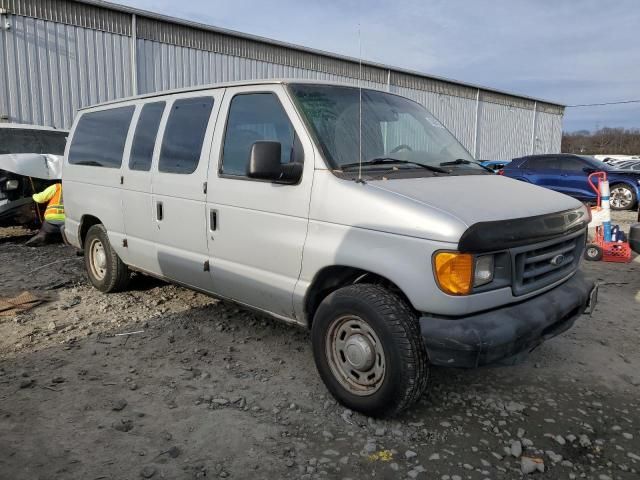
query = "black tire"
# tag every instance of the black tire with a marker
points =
(630, 194)
(395, 325)
(113, 274)
(593, 252)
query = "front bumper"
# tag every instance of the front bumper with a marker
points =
(495, 335)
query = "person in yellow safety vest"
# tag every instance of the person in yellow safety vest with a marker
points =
(53, 215)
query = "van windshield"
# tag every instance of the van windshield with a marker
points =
(396, 133)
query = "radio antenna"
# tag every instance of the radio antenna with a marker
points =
(359, 105)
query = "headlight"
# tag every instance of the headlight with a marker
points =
(483, 271)
(457, 273)
(454, 272)
(11, 185)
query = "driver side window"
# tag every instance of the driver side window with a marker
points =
(256, 117)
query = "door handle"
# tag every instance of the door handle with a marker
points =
(159, 211)
(213, 220)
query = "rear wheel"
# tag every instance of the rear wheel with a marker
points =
(368, 350)
(105, 269)
(622, 197)
(593, 252)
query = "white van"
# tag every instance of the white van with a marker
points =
(352, 212)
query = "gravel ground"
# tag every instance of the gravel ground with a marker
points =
(199, 388)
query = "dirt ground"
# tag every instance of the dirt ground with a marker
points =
(161, 382)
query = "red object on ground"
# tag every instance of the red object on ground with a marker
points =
(602, 176)
(619, 252)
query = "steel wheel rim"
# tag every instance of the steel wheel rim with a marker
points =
(621, 197)
(355, 355)
(97, 259)
(592, 252)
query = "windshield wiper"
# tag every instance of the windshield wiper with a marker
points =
(457, 161)
(391, 161)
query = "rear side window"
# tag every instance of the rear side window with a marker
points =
(184, 135)
(145, 137)
(252, 118)
(100, 136)
(542, 163)
(571, 164)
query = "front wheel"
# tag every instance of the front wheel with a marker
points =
(622, 197)
(105, 269)
(368, 350)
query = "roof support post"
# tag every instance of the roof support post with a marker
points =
(134, 55)
(476, 153)
(534, 117)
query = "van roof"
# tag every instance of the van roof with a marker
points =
(210, 86)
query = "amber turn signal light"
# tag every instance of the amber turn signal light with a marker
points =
(454, 272)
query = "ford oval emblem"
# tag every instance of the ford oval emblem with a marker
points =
(557, 260)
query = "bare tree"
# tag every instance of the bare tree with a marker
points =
(614, 141)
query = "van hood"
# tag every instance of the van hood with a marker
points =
(37, 165)
(447, 209)
(473, 199)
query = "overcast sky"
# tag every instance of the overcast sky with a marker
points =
(568, 51)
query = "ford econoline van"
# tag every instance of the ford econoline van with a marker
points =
(352, 212)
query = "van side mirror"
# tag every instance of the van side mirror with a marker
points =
(264, 164)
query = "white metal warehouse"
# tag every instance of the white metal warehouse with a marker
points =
(60, 55)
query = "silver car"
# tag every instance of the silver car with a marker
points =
(353, 213)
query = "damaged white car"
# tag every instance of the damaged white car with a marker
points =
(30, 160)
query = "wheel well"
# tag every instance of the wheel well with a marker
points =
(330, 279)
(626, 184)
(86, 223)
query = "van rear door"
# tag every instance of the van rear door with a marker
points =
(178, 184)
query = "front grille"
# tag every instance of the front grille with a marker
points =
(539, 265)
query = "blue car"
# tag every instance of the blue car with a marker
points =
(494, 165)
(566, 173)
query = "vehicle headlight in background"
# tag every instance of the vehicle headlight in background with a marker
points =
(457, 273)
(12, 185)
(483, 271)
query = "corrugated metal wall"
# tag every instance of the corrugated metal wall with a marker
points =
(548, 134)
(59, 55)
(48, 70)
(505, 132)
(162, 67)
